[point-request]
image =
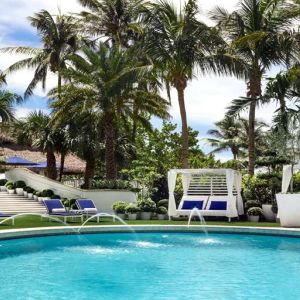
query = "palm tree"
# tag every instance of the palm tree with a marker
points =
(103, 83)
(226, 137)
(117, 20)
(37, 131)
(59, 38)
(180, 46)
(2, 78)
(258, 35)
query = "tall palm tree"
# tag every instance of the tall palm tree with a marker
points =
(59, 40)
(258, 35)
(180, 47)
(117, 20)
(2, 78)
(37, 131)
(103, 81)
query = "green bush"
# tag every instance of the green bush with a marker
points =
(47, 193)
(163, 202)
(132, 209)
(255, 211)
(146, 205)
(10, 186)
(111, 184)
(39, 194)
(161, 210)
(9, 183)
(3, 182)
(119, 207)
(55, 197)
(29, 189)
(252, 203)
(20, 184)
(35, 192)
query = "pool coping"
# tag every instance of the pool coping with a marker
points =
(48, 231)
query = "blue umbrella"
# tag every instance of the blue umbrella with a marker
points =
(41, 165)
(18, 161)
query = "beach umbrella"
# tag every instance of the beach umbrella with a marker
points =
(18, 161)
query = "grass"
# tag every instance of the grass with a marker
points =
(35, 221)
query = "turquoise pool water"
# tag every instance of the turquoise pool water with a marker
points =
(150, 266)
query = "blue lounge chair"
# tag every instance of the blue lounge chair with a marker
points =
(56, 208)
(88, 208)
(5, 216)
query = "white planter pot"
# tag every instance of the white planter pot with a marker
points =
(11, 191)
(253, 218)
(146, 215)
(268, 213)
(132, 216)
(29, 195)
(35, 197)
(25, 194)
(40, 199)
(288, 209)
(45, 198)
(19, 191)
(3, 188)
(161, 216)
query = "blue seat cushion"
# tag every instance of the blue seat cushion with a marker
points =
(218, 205)
(192, 204)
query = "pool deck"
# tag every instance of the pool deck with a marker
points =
(47, 231)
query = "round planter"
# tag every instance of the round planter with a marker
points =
(25, 194)
(45, 198)
(35, 197)
(288, 209)
(122, 216)
(11, 191)
(268, 213)
(132, 216)
(29, 195)
(145, 215)
(3, 188)
(40, 199)
(161, 216)
(19, 191)
(253, 218)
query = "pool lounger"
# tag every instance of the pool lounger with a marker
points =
(56, 208)
(88, 208)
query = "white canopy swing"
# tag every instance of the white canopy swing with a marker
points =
(214, 192)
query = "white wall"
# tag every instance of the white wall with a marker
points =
(103, 199)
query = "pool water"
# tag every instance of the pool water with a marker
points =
(150, 266)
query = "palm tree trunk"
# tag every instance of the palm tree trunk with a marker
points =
(89, 171)
(51, 165)
(180, 86)
(254, 92)
(110, 162)
(62, 165)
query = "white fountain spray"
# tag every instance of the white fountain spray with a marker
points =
(196, 212)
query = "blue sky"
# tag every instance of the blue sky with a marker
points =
(206, 97)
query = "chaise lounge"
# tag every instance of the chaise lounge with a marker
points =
(88, 208)
(56, 208)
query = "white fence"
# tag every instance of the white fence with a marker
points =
(103, 199)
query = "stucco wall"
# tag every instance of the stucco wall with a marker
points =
(103, 199)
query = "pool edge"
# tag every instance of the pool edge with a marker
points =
(46, 231)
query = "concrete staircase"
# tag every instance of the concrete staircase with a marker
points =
(15, 204)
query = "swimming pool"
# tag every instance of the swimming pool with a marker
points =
(150, 266)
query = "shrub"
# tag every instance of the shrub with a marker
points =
(55, 197)
(35, 192)
(20, 184)
(163, 202)
(66, 202)
(111, 184)
(132, 209)
(161, 210)
(120, 207)
(29, 190)
(47, 193)
(146, 205)
(255, 211)
(9, 183)
(252, 203)
(10, 186)
(39, 194)
(3, 182)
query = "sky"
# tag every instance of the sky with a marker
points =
(206, 97)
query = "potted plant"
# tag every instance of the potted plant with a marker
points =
(25, 193)
(10, 187)
(119, 208)
(20, 185)
(2, 185)
(47, 194)
(161, 212)
(132, 211)
(29, 192)
(147, 207)
(35, 195)
(254, 213)
(39, 196)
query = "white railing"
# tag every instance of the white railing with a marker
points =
(76, 183)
